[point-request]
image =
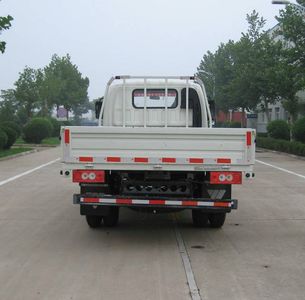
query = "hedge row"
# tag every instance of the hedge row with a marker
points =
(228, 125)
(296, 148)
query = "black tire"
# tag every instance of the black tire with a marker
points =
(94, 221)
(200, 219)
(112, 219)
(217, 220)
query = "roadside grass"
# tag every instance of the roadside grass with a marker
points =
(13, 151)
(52, 141)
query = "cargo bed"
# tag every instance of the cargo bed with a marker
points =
(166, 149)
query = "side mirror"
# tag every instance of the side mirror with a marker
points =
(98, 107)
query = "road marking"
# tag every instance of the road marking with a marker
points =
(281, 169)
(194, 291)
(28, 172)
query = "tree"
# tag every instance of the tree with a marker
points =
(206, 71)
(301, 2)
(64, 85)
(27, 91)
(292, 31)
(5, 23)
(58, 84)
(246, 72)
(216, 71)
(8, 106)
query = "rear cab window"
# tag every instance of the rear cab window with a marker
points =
(155, 98)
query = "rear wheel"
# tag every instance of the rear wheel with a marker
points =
(217, 220)
(94, 221)
(112, 218)
(200, 219)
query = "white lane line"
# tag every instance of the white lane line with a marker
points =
(281, 169)
(194, 291)
(28, 172)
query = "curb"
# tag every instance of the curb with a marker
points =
(20, 154)
(36, 145)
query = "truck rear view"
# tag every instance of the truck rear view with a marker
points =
(155, 151)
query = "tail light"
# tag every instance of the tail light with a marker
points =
(225, 177)
(88, 176)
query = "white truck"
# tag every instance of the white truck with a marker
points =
(155, 150)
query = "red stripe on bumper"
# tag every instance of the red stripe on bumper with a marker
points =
(157, 202)
(91, 200)
(124, 201)
(222, 204)
(189, 203)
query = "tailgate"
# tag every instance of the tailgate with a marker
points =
(168, 149)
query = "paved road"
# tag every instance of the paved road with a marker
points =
(48, 252)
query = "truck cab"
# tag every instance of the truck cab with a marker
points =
(156, 103)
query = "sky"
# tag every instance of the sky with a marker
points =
(121, 37)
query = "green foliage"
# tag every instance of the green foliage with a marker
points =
(234, 125)
(243, 73)
(292, 28)
(66, 123)
(36, 130)
(295, 148)
(228, 125)
(262, 134)
(56, 127)
(8, 106)
(11, 136)
(5, 23)
(278, 129)
(51, 141)
(12, 125)
(63, 84)
(299, 130)
(13, 151)
(60, 83)
(3, 139)
(27, 92)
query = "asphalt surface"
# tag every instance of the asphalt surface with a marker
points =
(48, 252)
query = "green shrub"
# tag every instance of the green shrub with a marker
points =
(234, 125)
(3, 139)
(299, 130)
(278, 129)
(66, 123)
(48, 123)
(36, 130)
(227, 124)
(262, 134)
(12, 125)
(56, 127)
(296, 148)
(11, 136)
